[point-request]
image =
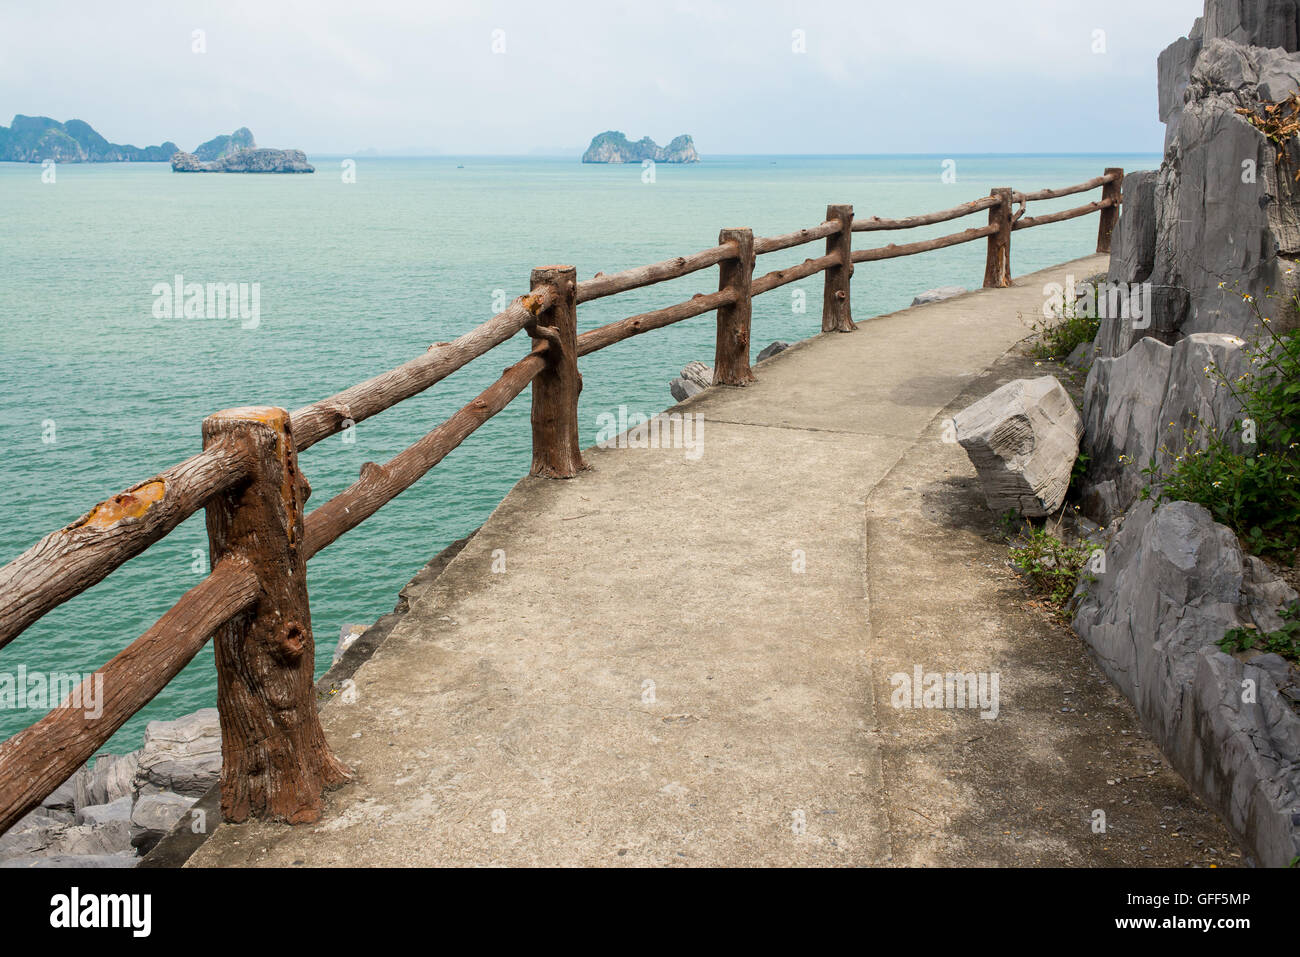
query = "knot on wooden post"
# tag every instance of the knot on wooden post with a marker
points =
(736, 275)
(837, 304)
(997, 264)
(276, 764)
(556, 450)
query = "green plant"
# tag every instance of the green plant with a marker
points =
(1254, 491)
(1058, 337)
(1285, 641)
(1052, 566)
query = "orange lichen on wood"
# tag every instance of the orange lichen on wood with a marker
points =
(132, 503)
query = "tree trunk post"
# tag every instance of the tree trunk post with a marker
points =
(556, 452)
(837, 309)
(1110, 215)
(997, 267)
(731, 354)
(275, 762)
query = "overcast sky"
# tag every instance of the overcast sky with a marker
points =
(878, 76)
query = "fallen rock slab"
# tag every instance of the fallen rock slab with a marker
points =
(1023, 440)
(940, 294)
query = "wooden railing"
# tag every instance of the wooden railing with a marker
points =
(276, 763)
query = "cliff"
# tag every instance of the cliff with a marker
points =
(226, 144)
(34, 139)
(613, 147)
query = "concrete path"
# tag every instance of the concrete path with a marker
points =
(683, 660)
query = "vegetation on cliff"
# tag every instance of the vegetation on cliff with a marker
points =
(34, 139)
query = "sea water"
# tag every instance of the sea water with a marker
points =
(358, 268)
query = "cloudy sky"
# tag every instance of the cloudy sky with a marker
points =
(876, 76)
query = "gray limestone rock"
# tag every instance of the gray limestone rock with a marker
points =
(939, 294)
(182, 755)
(772, 349)
(1173, 583)
(1023, 440)
(154, 815)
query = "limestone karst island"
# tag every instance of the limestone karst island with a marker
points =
(910, 485)
(614, 147)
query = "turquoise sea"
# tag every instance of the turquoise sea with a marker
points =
(356, 278)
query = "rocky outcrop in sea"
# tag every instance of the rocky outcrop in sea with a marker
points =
(614, 147)
(245, 161)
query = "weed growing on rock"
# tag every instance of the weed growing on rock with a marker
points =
(1057, 338)
(1285, 641)
(1052, 567)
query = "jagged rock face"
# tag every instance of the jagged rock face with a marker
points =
(613, 147)
(1224, 215)
(1174, 581)
(1257, 23)
(183, 756)
(246, 161)
(1022, 439)
(1132, 260)
(1150, 405)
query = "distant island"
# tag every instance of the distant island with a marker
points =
(238, 153)
(613, 147)
(34, 139)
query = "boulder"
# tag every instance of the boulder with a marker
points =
(110, 837)
(34, 833)
(772, 350)
(1153, 404)
(939, 294)
(183, 756)
(153, 817)
(110, 779)
(99, 814)
(698, 373)
(1173, 583)
(348, 635)
(1023, 440)
(683, 389)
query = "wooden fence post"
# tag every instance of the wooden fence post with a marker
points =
(997, 267)
(731, 354)
(837, 308)
(1110, 215)
(556, 452)
(275, 762)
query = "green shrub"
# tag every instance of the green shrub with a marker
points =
(1052, 567)
(1256, 493)
(1285, 641)
(1058, 338)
